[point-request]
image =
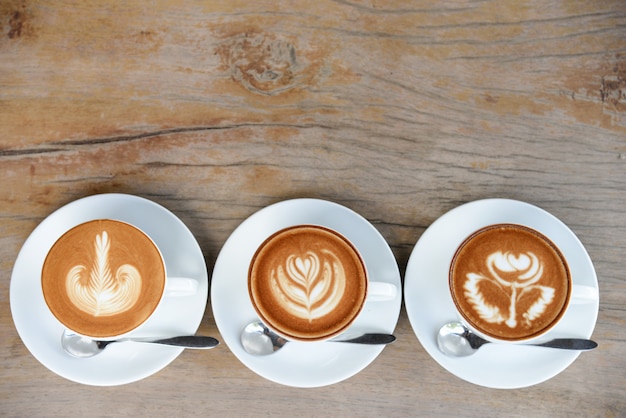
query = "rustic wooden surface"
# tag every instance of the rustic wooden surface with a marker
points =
(398, 110)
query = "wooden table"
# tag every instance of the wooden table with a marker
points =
(400, 111)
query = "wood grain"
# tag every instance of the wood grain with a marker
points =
(400, 110)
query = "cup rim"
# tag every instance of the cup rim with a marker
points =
(125, 330)
(340, 330)
(531, 337)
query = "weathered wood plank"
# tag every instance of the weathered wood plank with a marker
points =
(398, 110)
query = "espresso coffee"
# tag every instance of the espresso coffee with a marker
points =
(307, 283)
(103, 278)
(510, 282)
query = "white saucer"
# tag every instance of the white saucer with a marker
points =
(119, 363)
(429, 305)
(302, 364)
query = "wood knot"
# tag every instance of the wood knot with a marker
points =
(16, 23)
(613, 85)
(261, 63)
(19, 19)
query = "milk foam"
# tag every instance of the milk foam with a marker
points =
(310, 285)
(97, 291)
(515, 275)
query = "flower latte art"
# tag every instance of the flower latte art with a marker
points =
(103, 278)
(307, 282)
(310, 286)
(526, 272)
(510, 282)
(99, 292)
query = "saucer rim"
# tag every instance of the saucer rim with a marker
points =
(307, 209)
(85, 371)
(505, 210)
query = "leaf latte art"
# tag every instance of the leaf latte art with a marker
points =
(98, 291)
(307, 282)
(310, 285)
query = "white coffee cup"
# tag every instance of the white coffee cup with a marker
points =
(511, 283)
(309, 283)
(105, 279)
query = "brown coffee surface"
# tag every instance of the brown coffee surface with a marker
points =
(510, 282)
(103, 278)
(307, 282)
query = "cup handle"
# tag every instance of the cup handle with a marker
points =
(583, 294)
(181, 286)
(381, 291)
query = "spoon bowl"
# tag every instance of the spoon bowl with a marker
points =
(258, 340)
(456, 340)
(453, 341)
(83, 347)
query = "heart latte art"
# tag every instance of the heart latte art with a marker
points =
(307, 282)
(510, 282)
(103, 278)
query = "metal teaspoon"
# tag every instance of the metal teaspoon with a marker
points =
(258, 340)
(83, 347)
(455, 340)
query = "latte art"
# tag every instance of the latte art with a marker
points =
(516, 277)
(97, 291)
(509, 282)
(310, 286)
(103, 278)
(307, 282)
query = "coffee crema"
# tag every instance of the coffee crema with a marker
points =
(307, 282)
(510, 282)
(103, 278)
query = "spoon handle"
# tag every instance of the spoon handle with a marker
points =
(570, 344)
(373, 339)
(187, 341)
